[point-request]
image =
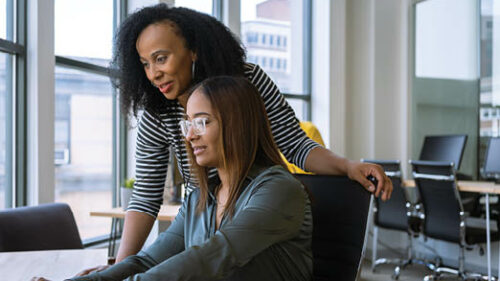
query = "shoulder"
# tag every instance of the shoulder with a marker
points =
(254, 73)
(278, 180)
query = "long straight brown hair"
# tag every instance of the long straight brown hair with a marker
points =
(245, 136)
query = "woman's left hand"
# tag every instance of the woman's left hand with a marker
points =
(360, 171)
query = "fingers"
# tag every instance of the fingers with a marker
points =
(91, 270)
(368, 185)
(384, 184)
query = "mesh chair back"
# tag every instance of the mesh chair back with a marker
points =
(391, 213)
(440, 199)
(446, 148)
(43, 227)
(340, 214)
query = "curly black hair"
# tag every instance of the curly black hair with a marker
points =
(218, 52)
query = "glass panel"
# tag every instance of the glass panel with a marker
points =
(83, 146)
(84, 29)
(204, 6)
(6, 19)
(275, 42)
(3, 19)
(5, 115)
(489, 112)
(445, 88)
(300, 108)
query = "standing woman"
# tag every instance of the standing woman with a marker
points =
(160, 52)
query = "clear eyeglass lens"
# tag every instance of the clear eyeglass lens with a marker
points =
(198, 125)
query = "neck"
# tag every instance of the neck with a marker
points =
(224, 178)
(182, 99)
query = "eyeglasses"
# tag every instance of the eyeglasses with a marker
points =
(198, 124)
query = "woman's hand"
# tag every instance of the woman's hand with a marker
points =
(39, 279)
(360, 171)
(91, 270)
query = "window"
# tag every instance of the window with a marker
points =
(84, 115)
(12, 52)
(5, 103)
(204, 6)
(282, 19)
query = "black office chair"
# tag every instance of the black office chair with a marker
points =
(395, 214)
(450, 148)
(445, 218)
(43, 227)
(340, 214)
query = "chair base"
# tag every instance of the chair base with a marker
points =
(402, 264)
(441, 272)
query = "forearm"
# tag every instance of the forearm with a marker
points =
(324, 162)
(135, 231)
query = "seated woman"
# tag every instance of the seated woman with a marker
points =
(253, 222)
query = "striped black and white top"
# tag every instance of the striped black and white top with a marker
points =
(157, 132)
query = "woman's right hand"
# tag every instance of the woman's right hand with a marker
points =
(92, 270)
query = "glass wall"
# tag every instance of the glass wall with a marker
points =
(84, 111)
(489, 111)
(274, 33)
(445, 85)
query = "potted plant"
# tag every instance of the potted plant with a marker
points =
(126, 192)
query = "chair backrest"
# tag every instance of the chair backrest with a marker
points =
(436, 183)
(340, 214)
(444, 148)
(392, 213)
(492, 159)
(43, 227)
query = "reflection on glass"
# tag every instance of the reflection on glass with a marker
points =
(83, 146)
(204, 6)
(274, 41)
(84, 29)
(5, 94)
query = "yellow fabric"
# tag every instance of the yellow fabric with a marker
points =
(313, 133)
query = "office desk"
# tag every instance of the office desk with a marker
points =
(167, 214)
(468, 186)
(53, 265)
(486, 188)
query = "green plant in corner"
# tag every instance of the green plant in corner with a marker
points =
(129, 183)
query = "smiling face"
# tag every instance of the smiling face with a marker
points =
(166, 60)
(205, 147)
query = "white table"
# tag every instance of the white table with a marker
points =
(53, 265)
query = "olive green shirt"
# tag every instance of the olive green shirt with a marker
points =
(269, 237)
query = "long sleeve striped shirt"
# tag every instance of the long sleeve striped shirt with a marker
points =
(157, 132)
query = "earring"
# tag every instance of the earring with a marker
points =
(193, 65)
